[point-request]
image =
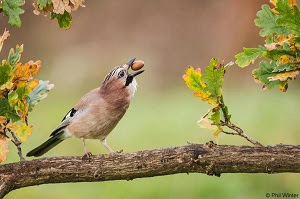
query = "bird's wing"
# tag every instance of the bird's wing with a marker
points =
(87, 99)
(65, 122)
(79, 108)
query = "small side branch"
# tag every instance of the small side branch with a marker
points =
(240, 132)
(17, 142)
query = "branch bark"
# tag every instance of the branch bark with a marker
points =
(194, 158)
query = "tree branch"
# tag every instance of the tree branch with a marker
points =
(194, 158)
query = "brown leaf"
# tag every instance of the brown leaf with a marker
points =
(27, 71)
(3, 37)
(2, 120)
(271, 46)
(206, 124)
(284, 76)
(3, 147)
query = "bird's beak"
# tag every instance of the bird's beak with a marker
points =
(131, 76)
(136, 73)
(129, 64)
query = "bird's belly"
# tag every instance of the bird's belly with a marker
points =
(96, 128)
(100, 131)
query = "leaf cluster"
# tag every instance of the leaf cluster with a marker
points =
(19, 93)
(208, 86)
(281, 28)
(56, 9)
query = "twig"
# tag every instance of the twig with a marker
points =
(18, 145)
(230, 133)
(222, 105)
(239, 132)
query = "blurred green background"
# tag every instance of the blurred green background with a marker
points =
(168, 36)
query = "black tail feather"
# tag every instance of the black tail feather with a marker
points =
(46, 146)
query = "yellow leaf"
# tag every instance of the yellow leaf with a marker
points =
(34, 83)
(273, 2)
(3, 37)
(205, 96)
(216, 133)
(291, 2)
(3, 147)
(2, 123)
(284, 59)
(27, 71)
(206, 124)
(21, 130)
(283, 87)
(284, 76)
(192, 78)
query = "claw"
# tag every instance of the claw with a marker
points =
(87, 156)
(120, 151)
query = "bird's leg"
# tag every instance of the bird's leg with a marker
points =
(103, 142)
(87, 154)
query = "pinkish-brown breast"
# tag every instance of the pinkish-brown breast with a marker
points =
(99, 113)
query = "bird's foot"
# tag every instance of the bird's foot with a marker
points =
(87, 156)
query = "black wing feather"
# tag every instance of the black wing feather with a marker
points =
(71, 113)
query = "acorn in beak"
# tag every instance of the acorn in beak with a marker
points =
(131, 64)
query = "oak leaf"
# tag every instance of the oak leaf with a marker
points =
(21, 130)
(3, 37)
(27, 71)
(206, 124)
(3, 147)
(284, 76)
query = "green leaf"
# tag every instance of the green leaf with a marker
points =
(277, 53)
(215, 117)
(43, 3)
(64, 20)
(38, 93)
(267, 21)
(284, 67)
(22, 91)
(249, 55)
(289, 16)
(12, 97)
(193, 79)
(265, 71)
(7, 111)
(14, 57)
(5, 73)
(214, 79)
(269, 39)
(208, 86)
(11, 8)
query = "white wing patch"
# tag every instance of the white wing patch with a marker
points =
(70, 114)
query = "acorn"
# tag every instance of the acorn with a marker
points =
(137, 65)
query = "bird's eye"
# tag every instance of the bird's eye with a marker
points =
(121, 74)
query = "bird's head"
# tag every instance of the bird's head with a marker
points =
(120, 80)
